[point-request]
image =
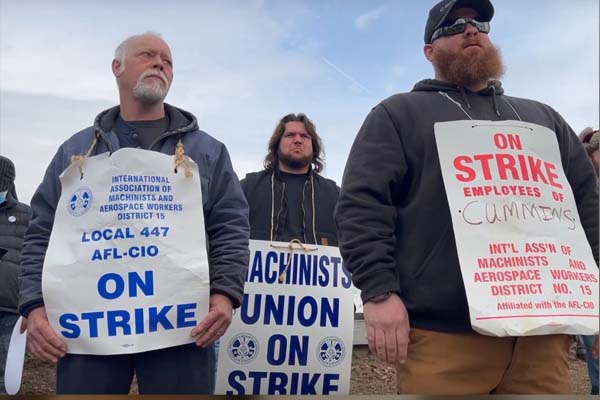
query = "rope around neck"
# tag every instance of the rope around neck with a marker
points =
(79, 159)
(181, 159)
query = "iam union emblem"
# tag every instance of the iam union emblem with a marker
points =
(80, 201)
(331, 351)
(243, 348)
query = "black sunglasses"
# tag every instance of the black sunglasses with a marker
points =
(459, 26)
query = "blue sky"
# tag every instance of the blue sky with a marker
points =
(242, 65)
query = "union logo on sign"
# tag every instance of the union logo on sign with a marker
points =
(80, 201)
(331, 351)
(243, 348)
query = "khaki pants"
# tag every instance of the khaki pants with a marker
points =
(463, 364)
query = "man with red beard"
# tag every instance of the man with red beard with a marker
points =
(395, 227)
(289, 199)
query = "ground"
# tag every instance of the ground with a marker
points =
(369, 376)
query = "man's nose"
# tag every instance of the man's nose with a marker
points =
(470, 29)
(158, 63)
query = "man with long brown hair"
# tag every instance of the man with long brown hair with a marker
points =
(289, 199)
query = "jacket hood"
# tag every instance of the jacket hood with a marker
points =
(433, 85)
(493, 90)
(11, 200)
(180, 122)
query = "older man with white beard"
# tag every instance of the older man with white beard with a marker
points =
(143, 67)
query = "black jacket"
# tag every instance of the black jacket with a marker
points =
(265, 193)
(14, 217)
(393, 216)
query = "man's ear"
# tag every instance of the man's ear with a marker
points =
(428, 51)
(116, 68)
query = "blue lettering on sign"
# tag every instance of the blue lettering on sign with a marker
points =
(139, 320)
(276, 310)
(118, 319)
(277, 383)
(251, 319)
(347, 279)
(280, 383)
(304, 269)
(125, 323)
(312, 311)
(106, 254)
(328, 383)
(271, 275)
(323, 267)
(113, 253)
(309, 383)
(256, 270)
(146, 285)
(73, 331)
(330, 313)
(278, 351)
(93, 318)
(159, 317)
(257, 376)
(107, 234)
(184, 312)
(232, 379)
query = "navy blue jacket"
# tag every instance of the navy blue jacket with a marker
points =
(224, 204)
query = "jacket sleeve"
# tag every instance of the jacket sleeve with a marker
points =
(228, 229)
(366, 212)
(582, 178)
(37, 236)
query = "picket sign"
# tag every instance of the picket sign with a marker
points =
(293, 333)
(527, 266)
(126, 269)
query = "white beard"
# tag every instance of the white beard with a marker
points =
(150, 93)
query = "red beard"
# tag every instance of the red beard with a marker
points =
(469, 67)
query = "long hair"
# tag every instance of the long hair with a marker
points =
(272, 158)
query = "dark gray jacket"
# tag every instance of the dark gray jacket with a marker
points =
(225, 207)
(393, 218)
(14, 217)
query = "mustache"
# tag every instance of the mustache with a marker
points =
(472, 42)
(154, 72)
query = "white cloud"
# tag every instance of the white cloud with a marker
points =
(364, 21)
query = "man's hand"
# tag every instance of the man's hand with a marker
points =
(23, 326)
(43, 342)
(595, 348)
(216, 322)
(387, 329)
